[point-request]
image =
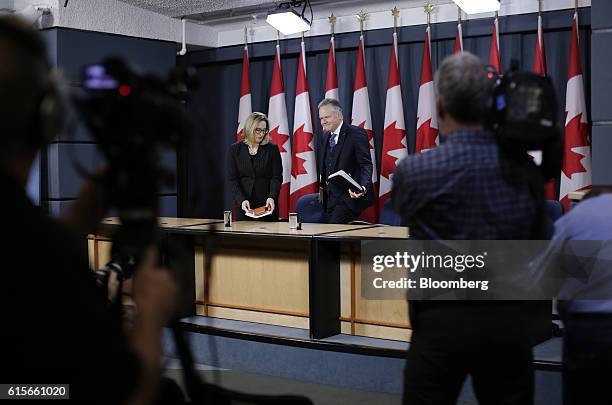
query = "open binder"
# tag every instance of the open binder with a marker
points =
(344, 180)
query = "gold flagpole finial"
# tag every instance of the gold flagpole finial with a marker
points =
(277, 37)
(395, 13)
(428, 7)
(361, 16)
(576, 5)
(246, 37)
(302, 36)
(539, 6)
(459, 14)
(332, 21)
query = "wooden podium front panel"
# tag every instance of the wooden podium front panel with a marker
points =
(99, 249)
(379, 318)
(255, 279)
(386, 319)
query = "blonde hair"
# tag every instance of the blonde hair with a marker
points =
(251, 123)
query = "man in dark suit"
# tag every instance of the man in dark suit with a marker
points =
(343, 147)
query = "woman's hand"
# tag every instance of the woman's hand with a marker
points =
(246, 206)
(270, 204)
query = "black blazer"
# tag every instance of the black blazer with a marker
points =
(352, 156)
(255, 181)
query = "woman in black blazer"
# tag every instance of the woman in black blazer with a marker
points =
(255, 169)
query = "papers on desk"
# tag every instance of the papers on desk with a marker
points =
(344, 181)
(258, 212)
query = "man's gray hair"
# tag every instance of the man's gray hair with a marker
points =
(331, 101)
(462, 85)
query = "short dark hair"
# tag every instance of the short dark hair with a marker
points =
(462, 85)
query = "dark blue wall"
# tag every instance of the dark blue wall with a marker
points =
(219, 70)
(601, 61)
(70, 50)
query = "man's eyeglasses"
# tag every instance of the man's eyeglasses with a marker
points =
(259, 131)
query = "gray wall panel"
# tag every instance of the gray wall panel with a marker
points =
(70, 50)
(63, 175)
(79, 48)
(601, 16)
(601, 76)
(50, 38)
(602, 150)
(167, 206)
(168, 162)
(58, 208)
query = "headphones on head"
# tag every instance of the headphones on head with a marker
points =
(38, 117)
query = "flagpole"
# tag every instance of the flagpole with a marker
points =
(576, 12)
(395, 13)
(459, 34)
(246, 40)
(361, 16)
(428, 9)
(277, 37)
(332, 21)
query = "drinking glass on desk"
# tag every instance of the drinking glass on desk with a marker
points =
(293, 220)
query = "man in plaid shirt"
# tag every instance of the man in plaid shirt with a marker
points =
(463, 190)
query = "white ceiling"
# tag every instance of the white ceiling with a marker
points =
(180, 8)
(220, 12)
(218, 23)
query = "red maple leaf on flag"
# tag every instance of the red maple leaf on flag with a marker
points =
(393, 137)
(303, 145)
(279, 139)
(368, 132)
(572, 159)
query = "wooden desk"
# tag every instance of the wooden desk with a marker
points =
(168, 222)
(374, 232)
(265, 272)
(576, 195)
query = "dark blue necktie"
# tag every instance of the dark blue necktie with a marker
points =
(332, 140)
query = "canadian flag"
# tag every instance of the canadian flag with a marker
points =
(279, 131)
(539, 60)
(539, 68)
(362, 118)
(576, 172)
(331, 84)
(394, 139)
(494, 55)
(244, 108)
(459, 39)
(427, 116)
(303, 165)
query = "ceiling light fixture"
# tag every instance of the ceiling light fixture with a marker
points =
(288, 20)
(478, 6)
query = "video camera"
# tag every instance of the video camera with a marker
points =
(523, 115)
(132, 117)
